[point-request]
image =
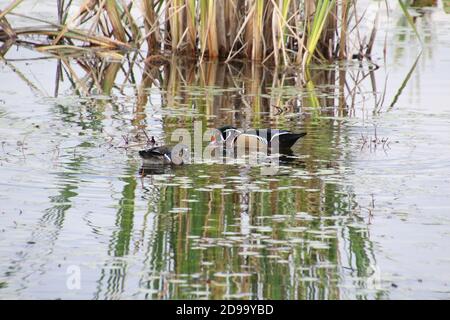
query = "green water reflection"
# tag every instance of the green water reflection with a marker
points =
(226, 231)
(207, 230)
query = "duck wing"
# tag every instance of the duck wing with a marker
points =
(283, 138)
(227, 131)
(156, 152)
(161, 150)
(265, 135)
(286, 139)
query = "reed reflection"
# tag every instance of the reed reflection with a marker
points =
(226, 231)
(222, 231)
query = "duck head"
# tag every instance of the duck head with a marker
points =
(225, 134)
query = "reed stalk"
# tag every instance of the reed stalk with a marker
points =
(10, 8)
(174, 28)
(257, 53)
(323, 8)
(212, 37)
(111, 7)
(151, 26)
(203, 32)
(222, 42)
(7, 29)
(279, 25)
(276, 31)
(343, 36)
(191, 25)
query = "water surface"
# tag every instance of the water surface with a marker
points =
(362, 211)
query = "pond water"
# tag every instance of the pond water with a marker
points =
(362, 211)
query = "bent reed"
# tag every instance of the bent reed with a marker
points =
(280, 32)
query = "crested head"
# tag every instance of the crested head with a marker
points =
(228, 132)
(224, 129)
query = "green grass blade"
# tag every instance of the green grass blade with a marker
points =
(323, 9)
(404, 8)
(405, 82)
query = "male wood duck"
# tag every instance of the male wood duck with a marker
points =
(163, 155)
(256, 138)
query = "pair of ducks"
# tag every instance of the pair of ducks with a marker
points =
(227, 137)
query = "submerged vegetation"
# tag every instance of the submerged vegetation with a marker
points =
(275, 31)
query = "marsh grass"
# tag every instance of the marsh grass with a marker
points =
(280, 32)
(250, 87)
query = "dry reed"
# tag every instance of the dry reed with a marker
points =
(270, 31)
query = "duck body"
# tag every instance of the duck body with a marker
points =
(259, 138)
(157, 155)
(162, 155)
(270, 138)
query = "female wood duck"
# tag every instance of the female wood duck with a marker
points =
(163, 155)
(256, 138)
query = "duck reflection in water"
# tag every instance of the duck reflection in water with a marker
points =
(289, 158)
